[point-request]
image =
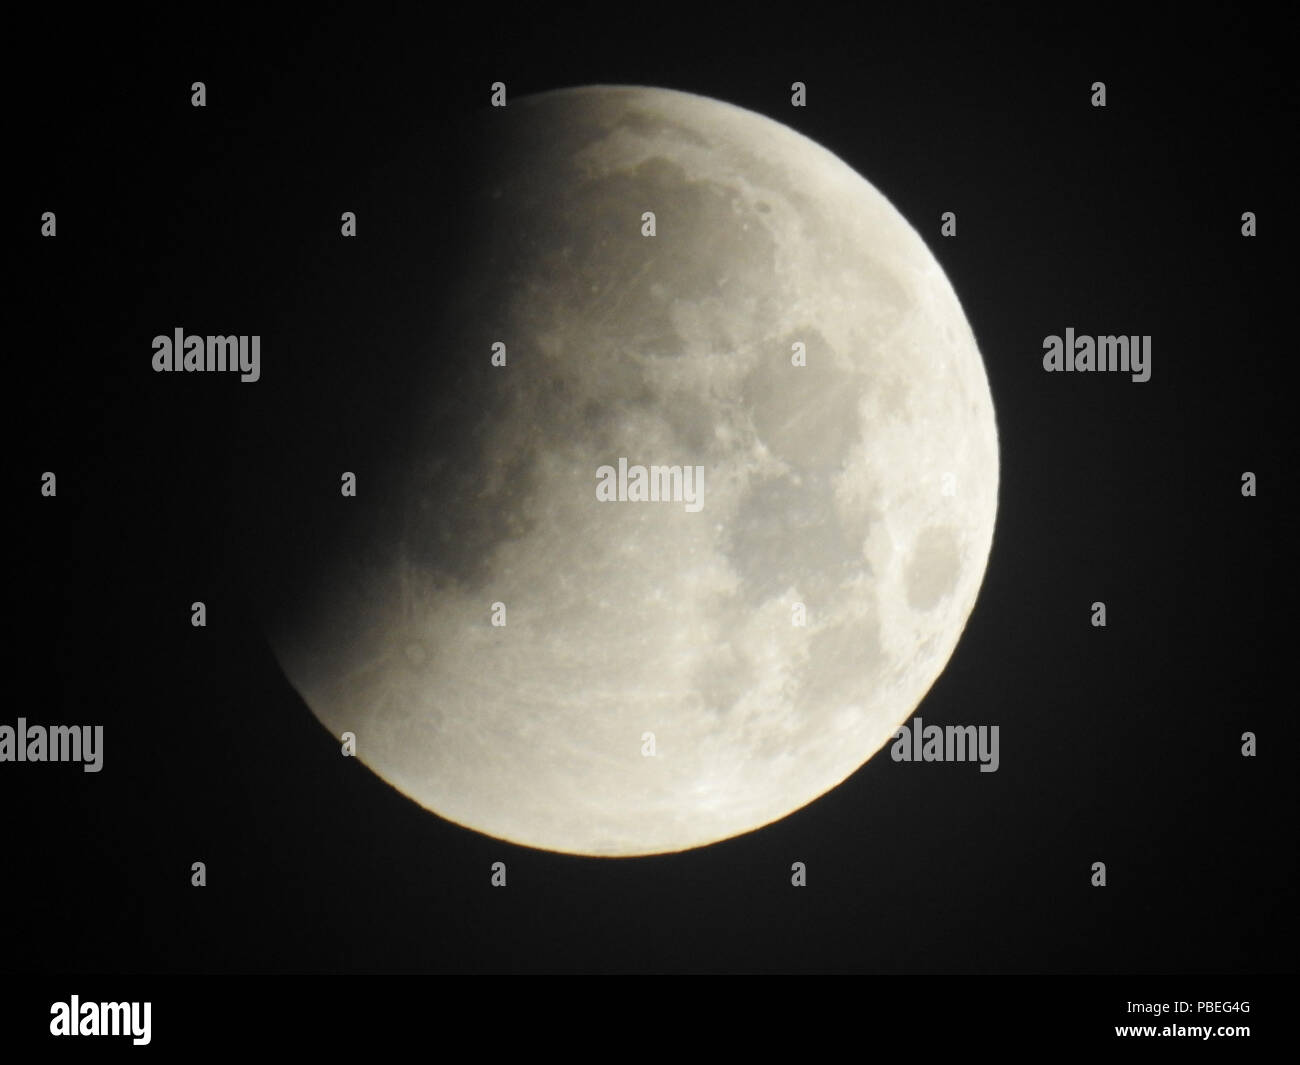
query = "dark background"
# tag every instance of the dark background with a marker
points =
(1119, 745)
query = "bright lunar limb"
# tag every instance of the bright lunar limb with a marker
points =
(651, 688)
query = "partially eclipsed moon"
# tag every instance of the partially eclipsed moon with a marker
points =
(862, 485)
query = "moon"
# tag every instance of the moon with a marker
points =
(634, 677)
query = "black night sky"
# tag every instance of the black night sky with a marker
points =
(1120, 745)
